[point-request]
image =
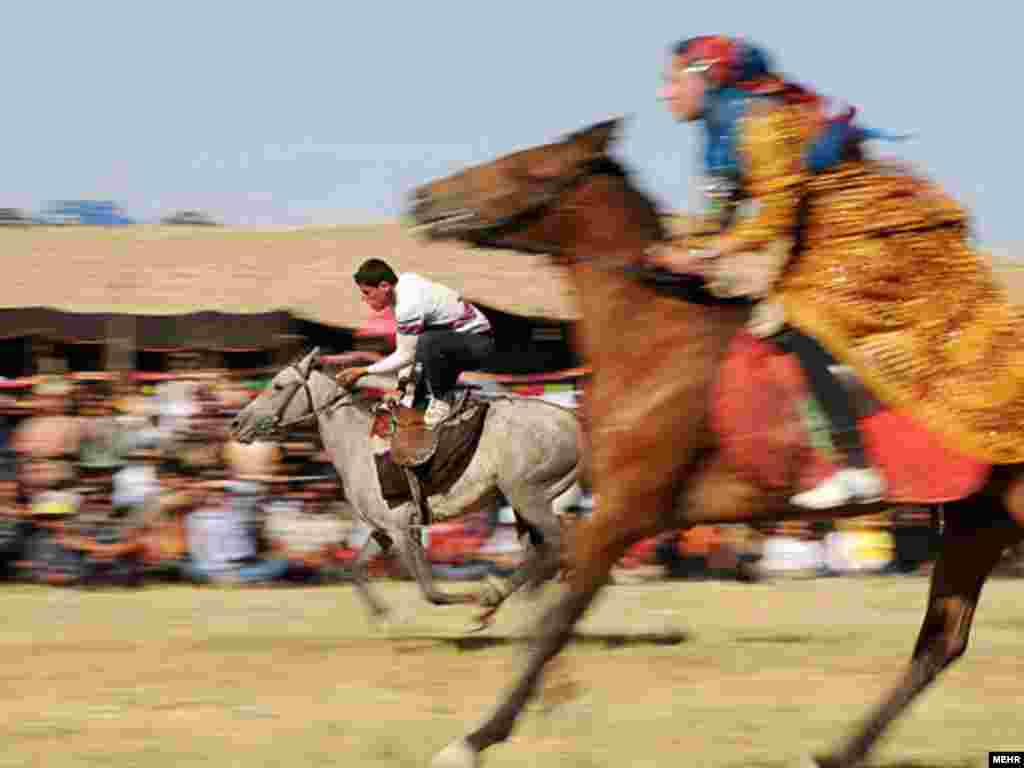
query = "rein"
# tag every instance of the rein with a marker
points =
(494, 230)
(273, 424)
(687, 287)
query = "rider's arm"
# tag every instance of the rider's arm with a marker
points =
(405, 352)
(771, 151)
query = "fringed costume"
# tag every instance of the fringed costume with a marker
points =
(881, 273)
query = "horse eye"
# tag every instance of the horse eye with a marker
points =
(278, 387)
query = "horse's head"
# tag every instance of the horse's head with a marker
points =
(516, 200)
(285, 401)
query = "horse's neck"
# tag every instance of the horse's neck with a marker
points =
(635, 338)
(623, 318)
(323, 388)
(345, 434)
(352, 420)
(620, 314)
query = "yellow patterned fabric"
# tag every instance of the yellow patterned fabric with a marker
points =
(885, 279)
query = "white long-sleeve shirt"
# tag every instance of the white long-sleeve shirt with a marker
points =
(423, 305)
(404, 354)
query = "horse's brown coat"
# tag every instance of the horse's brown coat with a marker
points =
(655, 462)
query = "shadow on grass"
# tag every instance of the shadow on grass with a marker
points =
(589, 639)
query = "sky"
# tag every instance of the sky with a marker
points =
(303, 112)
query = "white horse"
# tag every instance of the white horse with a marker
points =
(528, 451)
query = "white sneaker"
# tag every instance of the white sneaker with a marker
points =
(437, 411)
(863, 486)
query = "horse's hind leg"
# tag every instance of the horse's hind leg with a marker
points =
(975, 536)
(544, 554)
(547, 545)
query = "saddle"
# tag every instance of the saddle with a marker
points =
(415, 462)
(774, 433)
(414, 443)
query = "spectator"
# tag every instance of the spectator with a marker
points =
(166, 551)
(136, 489)
(175, 407)
(791, 550)
(305, 530)
(48, 560)
(15, 526)
(223, 537)
(109, 540)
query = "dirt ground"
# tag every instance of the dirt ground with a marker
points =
(761, 675)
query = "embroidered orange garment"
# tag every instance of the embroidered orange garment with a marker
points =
(885, 279)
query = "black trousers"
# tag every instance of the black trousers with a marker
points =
(828, 391)
(446, 354)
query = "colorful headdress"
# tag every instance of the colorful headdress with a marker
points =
(728, 62)
(734, 63)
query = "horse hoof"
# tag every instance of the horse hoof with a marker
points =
(493, 593)
(482, 622)
(458, 754)
(394, 625)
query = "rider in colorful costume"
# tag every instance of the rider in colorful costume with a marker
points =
(880, 273)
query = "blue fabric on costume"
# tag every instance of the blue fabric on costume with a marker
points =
(830, 147)
(726, 106)
(722, 114)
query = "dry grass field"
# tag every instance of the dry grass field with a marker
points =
(177, 676)
(288, 677)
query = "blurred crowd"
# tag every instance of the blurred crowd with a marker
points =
(108, 482)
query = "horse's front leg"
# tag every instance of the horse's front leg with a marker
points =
(377, 543)
(596, 545)
(410, 550)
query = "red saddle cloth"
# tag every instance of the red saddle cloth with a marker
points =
(756, 412)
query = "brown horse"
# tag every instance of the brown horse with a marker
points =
(657, 462)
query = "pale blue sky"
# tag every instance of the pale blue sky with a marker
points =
(284, 113)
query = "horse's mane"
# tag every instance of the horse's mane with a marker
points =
(609, 166)
(299, 358)
(492, 236)
(689, 288)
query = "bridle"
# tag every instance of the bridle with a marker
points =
(494, 231)
(687, 287)
(273, 424)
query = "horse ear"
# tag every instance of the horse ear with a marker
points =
(312, 360)
(565, 158)
(596, 139)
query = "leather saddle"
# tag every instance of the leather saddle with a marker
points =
(415, 462)
(413, 443)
